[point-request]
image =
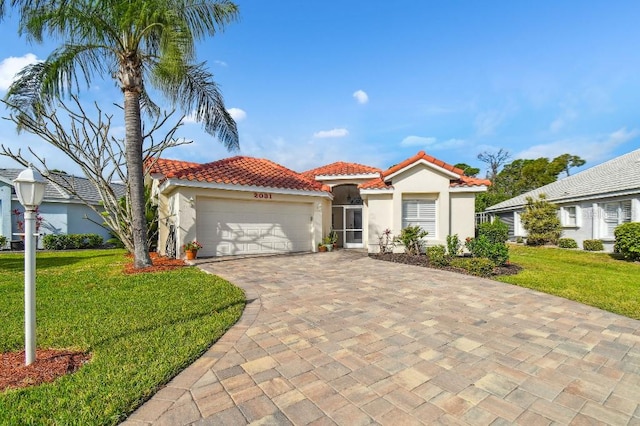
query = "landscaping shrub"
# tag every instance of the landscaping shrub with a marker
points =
(540, 219)
(385, 242)
(477, 266)
(496, 231)
(3, 241)
(592, 245)
(411, 237)
(437, 256)
(480, 247)
(628, 240)
(568, 243)
(453, 245)
(519, 240)
(71, 241)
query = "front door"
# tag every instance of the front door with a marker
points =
(347, 222)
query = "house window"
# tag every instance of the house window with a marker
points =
(569, 216)
(614, 215)
(421, 213)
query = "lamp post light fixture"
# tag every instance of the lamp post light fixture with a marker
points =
(30, 191)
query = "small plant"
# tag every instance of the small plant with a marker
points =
(568, 243)
(72, 241)
(482, 247)
(519, 240)
(453, 245)
(385, 242)
(628, 240)
(3, 241)
(192, 246)
(496, 231)
(592, 245)
(438, 256)
(411, 237)
(477, 266)
(333, 237)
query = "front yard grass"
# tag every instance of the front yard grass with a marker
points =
(141, 329)
(595, 279)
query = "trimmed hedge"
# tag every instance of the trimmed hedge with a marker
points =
(72, 241)
(437, 256)
(628, 240)
(478, 266)
(569, 243)
(592, 245)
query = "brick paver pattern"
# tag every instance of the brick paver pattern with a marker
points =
(338, 338)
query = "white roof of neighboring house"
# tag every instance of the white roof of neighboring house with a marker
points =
(52, 192)
(618, 176)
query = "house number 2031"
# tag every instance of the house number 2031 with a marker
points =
(262, 195)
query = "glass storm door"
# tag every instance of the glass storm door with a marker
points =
(353, 227)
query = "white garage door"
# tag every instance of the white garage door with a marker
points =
(229, 227)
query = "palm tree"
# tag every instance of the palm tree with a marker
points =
(137, 42)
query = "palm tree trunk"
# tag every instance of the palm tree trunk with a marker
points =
(135, 175)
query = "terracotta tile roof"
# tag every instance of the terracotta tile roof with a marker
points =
(422, 156)
(166, 166)
(462, 181)
(240, 170)
(341, 168)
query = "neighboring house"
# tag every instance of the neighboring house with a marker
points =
(61, 212)
(245, 205)
(591, 203)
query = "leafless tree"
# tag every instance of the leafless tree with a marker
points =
(101, 156)
(494, 160)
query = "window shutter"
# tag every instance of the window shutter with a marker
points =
(421, 213)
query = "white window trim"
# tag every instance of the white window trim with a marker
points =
(435, 225)
(564, 217)
(603, 213)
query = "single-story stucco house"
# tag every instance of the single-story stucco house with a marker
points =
(244, 205)
(61, 212)
(592, 203)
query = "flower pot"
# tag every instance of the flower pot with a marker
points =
(191, 254)
(322, 248)
(329, 247)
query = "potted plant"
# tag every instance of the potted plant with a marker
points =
(333, 237)
(326, 241)
(322, 247)
(191, 249)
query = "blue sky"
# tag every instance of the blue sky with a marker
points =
(313, 82)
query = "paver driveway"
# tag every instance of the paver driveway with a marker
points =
(338, 338)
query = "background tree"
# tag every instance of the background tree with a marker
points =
(540, 220)
(494, 161)
(568, 161)
(137, 42)
(468, 170)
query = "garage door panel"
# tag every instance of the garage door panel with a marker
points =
(244, 227)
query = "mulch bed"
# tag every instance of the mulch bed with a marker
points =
(160, 263)
(510, 269)
(48, 366)
(53, 363)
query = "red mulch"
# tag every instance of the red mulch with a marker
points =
(48, 366)
(160, 263)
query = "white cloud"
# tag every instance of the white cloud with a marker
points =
(487, 122)
(417, 141)
(237, 114)
(361, 96)
(333, 133)
(221, 63)
(10, 66)
(432, 143)
(594, 149)
(560, 122)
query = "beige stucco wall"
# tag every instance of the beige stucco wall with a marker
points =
(179, 206)
(462, 214)
(378, 216)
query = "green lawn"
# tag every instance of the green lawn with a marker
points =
(141, 329)
(595, 279)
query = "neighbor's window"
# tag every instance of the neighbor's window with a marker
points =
(616, 214)
(421, 213)
(569, 216)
